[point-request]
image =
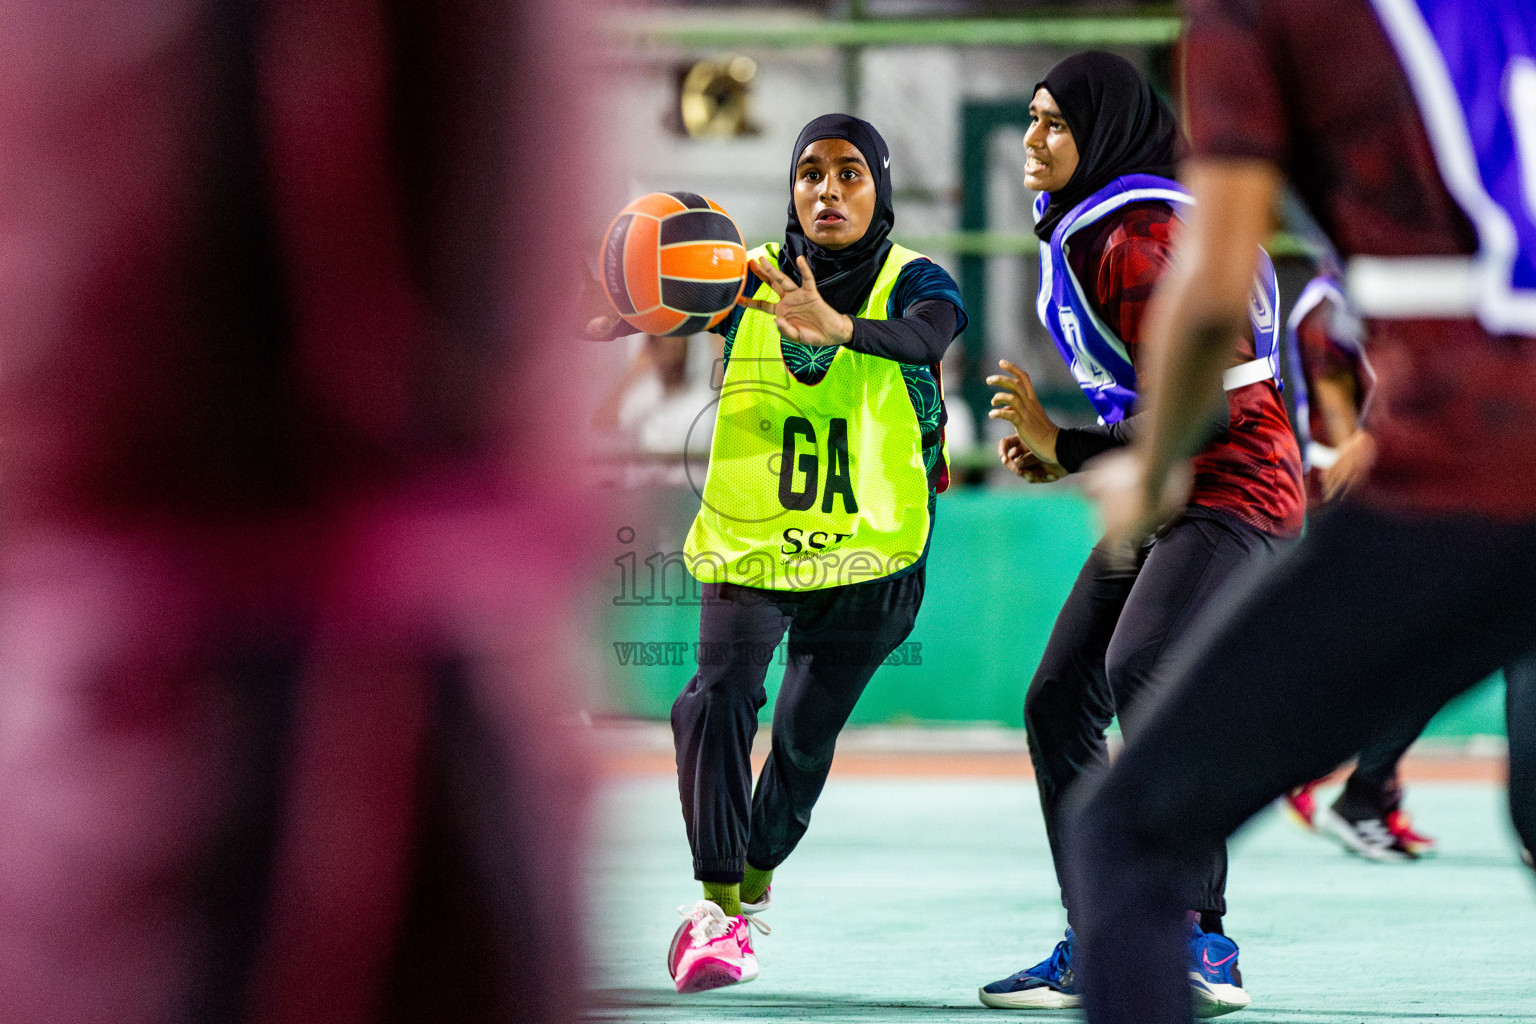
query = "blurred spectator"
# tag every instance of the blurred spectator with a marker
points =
(960, 428)
(664, 403)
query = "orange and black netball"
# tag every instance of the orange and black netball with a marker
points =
(673, 263)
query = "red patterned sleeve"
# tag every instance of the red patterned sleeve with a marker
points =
(1135, 255)
(1252, 470)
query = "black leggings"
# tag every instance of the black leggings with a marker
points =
(1373, 789)
(1104, 651)
(1374, 620)
(837, 638)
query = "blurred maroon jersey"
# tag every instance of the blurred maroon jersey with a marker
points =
(1314, 87)
(285, 542)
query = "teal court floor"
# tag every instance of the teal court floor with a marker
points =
(909, 892)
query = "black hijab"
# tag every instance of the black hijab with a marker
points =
(1119, 124)
(844, 277)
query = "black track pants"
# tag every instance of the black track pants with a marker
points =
(1373, 620)
(1104, 651)
(837, 638)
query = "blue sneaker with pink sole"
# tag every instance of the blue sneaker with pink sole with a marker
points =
(1215, 984)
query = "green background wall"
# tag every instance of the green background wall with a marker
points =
(1001, 564)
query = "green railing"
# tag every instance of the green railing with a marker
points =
(1141, 28)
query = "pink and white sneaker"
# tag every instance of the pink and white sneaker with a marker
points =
(710, 950)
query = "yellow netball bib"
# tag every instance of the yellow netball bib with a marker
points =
(811, 485)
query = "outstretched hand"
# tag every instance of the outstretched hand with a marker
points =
(1017, 403)
(801, 313)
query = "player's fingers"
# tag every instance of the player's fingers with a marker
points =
(787, 329)
(1019, 375)
(1007, 383)
(776, 278)
(1012, 370)
(761, 268)
(761, 305)
(1005, 414)
(807, 279)
(602, 328)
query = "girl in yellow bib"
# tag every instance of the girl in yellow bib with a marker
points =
(816, 513)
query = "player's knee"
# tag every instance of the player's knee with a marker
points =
(1034, 708)
(718, 691)
(1128, 670)
(809, 761)
(1047, 706)
(803, 748)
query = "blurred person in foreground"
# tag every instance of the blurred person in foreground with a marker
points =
(282, 562)
(1421, 581)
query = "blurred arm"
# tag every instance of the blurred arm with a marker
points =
(1337, 399)
(1199, 310)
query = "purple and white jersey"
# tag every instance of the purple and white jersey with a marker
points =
(1095, 354)
(1346, 331)
(1472, 66)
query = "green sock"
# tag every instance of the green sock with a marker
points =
(755, 883)
(725, 895)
